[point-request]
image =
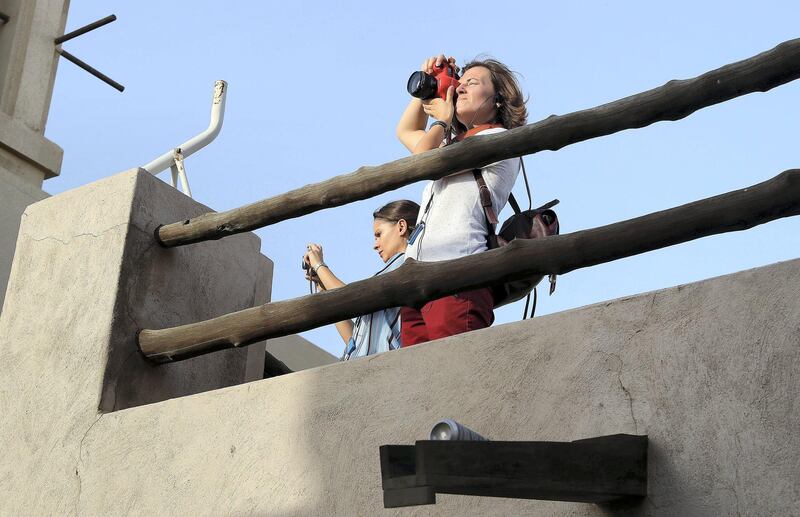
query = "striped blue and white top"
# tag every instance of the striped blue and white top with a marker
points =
(377, 332)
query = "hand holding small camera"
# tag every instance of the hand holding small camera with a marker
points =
(313, 255)
(312, 260)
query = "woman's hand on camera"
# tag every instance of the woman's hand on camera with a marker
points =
(441, 109)
(428, 64)
(313, 258)
(411, 129)
(313, 255)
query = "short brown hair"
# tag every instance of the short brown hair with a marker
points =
(512, 111)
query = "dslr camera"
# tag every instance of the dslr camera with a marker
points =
(428, 86)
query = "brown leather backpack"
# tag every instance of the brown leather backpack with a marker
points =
(528, 224)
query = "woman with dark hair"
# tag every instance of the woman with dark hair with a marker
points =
(453, 222)
(379, 331)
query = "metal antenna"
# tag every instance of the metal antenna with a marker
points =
(86, 28)
(69, 57)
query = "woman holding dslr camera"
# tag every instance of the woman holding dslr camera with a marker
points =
(452, 222)
(380, 331)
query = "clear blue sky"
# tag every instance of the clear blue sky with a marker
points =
(315, 91)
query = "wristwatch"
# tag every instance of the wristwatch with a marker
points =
(440, 123)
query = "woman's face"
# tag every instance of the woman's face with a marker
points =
(476, 97)
(390, 237)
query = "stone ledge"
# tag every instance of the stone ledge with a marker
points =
(30, 145)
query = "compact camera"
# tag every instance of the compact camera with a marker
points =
(428, 86)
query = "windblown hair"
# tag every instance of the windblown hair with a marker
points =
(512, 111)
(396, 210)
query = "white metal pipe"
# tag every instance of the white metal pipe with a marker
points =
(174, 170)
(180, 170)
(198, 142)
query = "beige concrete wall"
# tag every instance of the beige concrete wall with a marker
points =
(298, 353)
(15, 195)
(26, 158)
(707, 370)
(28, 64)
(87, 274)
(28, 58)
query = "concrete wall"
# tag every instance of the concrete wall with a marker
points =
(87, 275)
(298, 353)
(28, 58)
(707, 370)
(15, 195)
(28, 62)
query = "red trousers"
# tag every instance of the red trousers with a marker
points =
(447, 316)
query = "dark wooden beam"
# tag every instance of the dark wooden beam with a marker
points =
(594, 470)
(672, 101)
(414, 283)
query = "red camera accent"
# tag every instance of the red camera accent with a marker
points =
(446, 77)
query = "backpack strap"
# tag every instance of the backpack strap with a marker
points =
(513, 202)
(486, 198)
(483, 189)
(488, 211)
(551, 204)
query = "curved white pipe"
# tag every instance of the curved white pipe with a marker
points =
(198, 142)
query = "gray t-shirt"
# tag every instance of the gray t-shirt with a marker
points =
(455, 225)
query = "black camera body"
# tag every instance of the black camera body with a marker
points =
(428, 86)
(308, 268)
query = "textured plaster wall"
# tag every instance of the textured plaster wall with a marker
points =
(298, 353)
(15, 195)
(707, 370)
(28, 62)
(87, 274)
(28, 58)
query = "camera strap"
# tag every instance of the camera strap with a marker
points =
(475, 130)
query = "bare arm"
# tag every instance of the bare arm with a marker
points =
(325, 279)
(412, 133)
(411, 127)
(432, 139)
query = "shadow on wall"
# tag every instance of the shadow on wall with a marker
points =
(161, 288)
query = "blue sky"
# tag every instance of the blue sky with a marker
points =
(315, 91)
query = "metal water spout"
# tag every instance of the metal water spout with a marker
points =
(174, 157)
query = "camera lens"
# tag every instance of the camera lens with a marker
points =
(422, 85)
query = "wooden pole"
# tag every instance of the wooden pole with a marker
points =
(672, 101)
(414, 283)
